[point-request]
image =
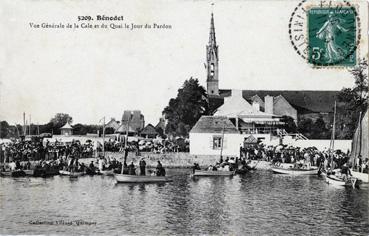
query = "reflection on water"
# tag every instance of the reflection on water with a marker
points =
(257, 203)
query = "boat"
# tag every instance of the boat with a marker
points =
(71, 174)
(107, 172)
(364, 177)
(13, 173)
(295, 171)
(90, 171)
(29, 172)
(213, 173)
(242, 171)
(339, 181)
(50, 172)
(252, 165)
(122, 178)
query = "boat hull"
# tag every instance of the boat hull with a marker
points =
(213, 173)
(71, 174)
(335, 181)
(293, 171)
(120, 178)
(364, 177)
(107, 172)
(15, 173)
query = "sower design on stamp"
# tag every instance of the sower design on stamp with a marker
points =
(332, 36)
(326, 33)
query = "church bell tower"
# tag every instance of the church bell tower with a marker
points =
(212, 81)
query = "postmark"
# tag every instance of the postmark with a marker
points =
(326, 34)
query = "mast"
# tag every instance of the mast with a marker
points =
(359, 134)
(103, 146)
(221, 147)
(333, 128)
(24, 124)
(29, 129)
(126, 139)
(331, 145)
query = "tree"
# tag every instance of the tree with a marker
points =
(290, 125)
(4, 129)
(61, 119)
(352, 101)
(305, 126)
(319, 129)
(184, 111)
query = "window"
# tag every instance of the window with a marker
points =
(217, 142)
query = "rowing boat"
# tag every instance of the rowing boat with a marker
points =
(13, 173)
(71, 174)
(120, 178)
(107, 172)
(339, 181)
(364, 177)
(213, 173)
(295, 171)
(252, 165)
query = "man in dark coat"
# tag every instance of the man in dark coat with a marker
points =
(142, 167)
(131, 169)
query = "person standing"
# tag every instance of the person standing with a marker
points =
(142, 167)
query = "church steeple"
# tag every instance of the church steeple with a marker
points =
(212, 62)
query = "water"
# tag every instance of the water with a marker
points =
(259, 203)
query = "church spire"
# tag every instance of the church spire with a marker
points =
(212, 40)
(212, 62)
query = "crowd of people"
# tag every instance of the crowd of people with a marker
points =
(310, 156)
(34, 150)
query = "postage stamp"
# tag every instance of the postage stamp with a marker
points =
(326, 34)
(332, 36)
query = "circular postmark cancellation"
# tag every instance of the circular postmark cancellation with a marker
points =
(325, 33)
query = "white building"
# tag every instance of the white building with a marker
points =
(66, 130)
(215, 135)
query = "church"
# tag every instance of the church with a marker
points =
(293, 103)
(238, 116)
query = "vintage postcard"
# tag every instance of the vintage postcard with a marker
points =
(184, 117)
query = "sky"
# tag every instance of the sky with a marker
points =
(92, 73)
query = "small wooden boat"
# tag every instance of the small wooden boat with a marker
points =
(252, 165)
(90, 171)
(29, 172)
(295, 171)
(339, 181)
(13, 173)
(71, 174)
(364, 177)
(213, 173)
(120, 178)
(50, 172)
(107, 172)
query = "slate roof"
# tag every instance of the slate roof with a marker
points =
(123, 129)
(214, 124)
(67, 126)
(149, 130)
(304, 101)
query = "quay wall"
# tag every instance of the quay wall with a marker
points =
(171, 160)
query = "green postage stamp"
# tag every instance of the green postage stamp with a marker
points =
(332, 36)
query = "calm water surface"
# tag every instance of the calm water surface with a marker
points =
(259, 203)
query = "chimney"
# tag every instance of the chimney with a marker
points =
(269, 104)
(256, 105)
(236, 93)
